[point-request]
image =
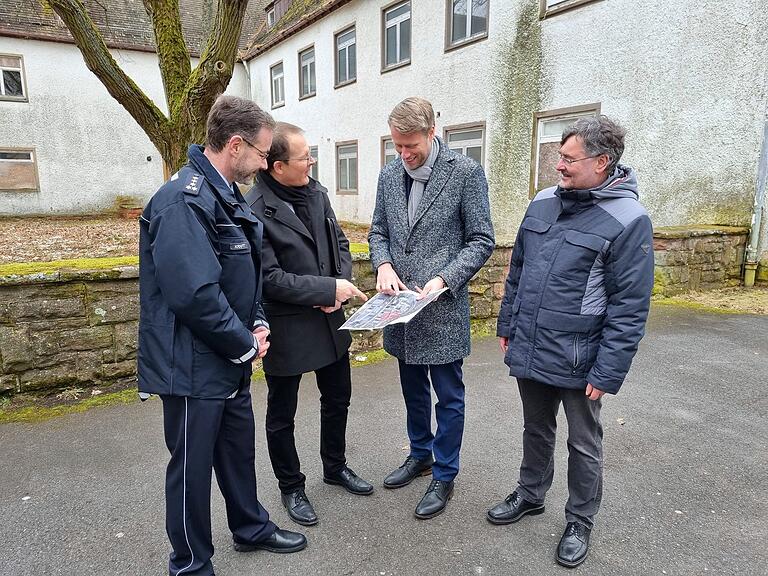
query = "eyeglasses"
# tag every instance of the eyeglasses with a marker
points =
(262, 155)
(306, 159)
(569, 161)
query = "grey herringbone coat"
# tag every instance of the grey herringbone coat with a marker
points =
(452, 237)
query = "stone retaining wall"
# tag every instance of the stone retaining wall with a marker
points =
(698, 258)
(76, 328)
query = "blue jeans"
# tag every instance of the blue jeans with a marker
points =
(449, 410)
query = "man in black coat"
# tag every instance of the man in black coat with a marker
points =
(307, 267)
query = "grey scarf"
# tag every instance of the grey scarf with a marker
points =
(420, 177)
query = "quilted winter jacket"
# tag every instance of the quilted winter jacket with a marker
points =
(578, 291)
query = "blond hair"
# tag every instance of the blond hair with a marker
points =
(413, 114)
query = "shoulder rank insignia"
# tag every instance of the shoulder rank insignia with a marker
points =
(193, 186)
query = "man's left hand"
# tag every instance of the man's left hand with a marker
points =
(261, 334)
(433, 285)
(594, 393)
(329, 309)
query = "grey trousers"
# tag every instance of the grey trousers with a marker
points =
(541, 403)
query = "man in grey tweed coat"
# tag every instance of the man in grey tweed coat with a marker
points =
(431, 229)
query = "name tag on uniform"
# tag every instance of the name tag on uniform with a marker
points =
(241, 246)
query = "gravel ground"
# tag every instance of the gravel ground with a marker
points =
(63, 238)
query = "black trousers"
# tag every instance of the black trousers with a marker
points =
(335, 384)
(201, 435)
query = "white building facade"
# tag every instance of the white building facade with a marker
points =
(690, 84)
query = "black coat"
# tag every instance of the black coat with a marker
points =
(299, 275)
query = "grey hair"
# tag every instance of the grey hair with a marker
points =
(599, 135)
(413, 114)
(232, 115)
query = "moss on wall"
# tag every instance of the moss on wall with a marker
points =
(27, 268)
(519, 88)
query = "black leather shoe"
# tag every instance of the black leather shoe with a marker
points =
(435, 499)
(350, 481)
(410, 469)
(512, 509)
(574, 545)
(299, 508)
(281, 542)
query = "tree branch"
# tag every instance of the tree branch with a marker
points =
(99, 61)
(172, 52)
(212, 75)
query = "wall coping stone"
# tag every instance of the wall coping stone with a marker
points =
(698, 230)
(69, 270)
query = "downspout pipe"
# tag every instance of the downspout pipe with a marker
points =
(247, 69)
(752, 253)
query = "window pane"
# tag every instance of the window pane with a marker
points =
(313, 169)
(346, 37)
(312, 77)
(12, 80)
(8, 155)
(479, 16)
(343, 175)
(352, 57)
(467, 135)
(391, 40)
(353, 173)
(10, 62)
(405, 40)
(547, 175)
(459, 29)
(476, 153)
(304, 81)
(281, 89)
(341, 66)
(399, 11)
(307, 56)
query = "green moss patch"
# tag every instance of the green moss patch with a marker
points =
(29, 268)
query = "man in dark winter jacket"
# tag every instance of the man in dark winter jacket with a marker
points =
(201, 326)
(307, 271)
(574, 311)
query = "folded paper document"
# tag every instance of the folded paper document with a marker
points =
(383, 310)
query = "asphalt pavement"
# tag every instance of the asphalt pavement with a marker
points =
(686, 475)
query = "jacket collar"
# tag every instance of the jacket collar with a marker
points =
(198, 161)
(276, 208)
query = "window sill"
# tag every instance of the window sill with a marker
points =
(346, 83)
(466, 42)
(14, 99)
(307, 96)
(396, 66)
(545, 12)
(278, 105)
(346, 192)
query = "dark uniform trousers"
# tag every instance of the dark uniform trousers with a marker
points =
(205, 434)
(335, 384)
(541, 403)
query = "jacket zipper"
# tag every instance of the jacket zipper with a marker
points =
(575, 352)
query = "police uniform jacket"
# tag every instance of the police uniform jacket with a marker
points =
(299, 276)
(200, 285)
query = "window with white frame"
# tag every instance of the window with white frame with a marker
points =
(548, 129)
(346, 167)
(346, 56)
(270, 18)
(11, 78)
(307, 73)
(388, 152)
(313, 171)
(18, 170)
(397, 35)
(468, 20)
(550, 7)
(278, 85)
(468, 140)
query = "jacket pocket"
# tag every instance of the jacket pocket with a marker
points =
(577, 254)
(232, 239)
(561, 344)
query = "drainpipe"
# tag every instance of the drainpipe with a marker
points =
(247, 79)
(752, 252)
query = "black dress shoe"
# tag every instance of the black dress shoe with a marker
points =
(347, 478)
(512, 509)
(435, 499)
(281, 542)
(410, 469)
(299, 508)
(574, 545)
